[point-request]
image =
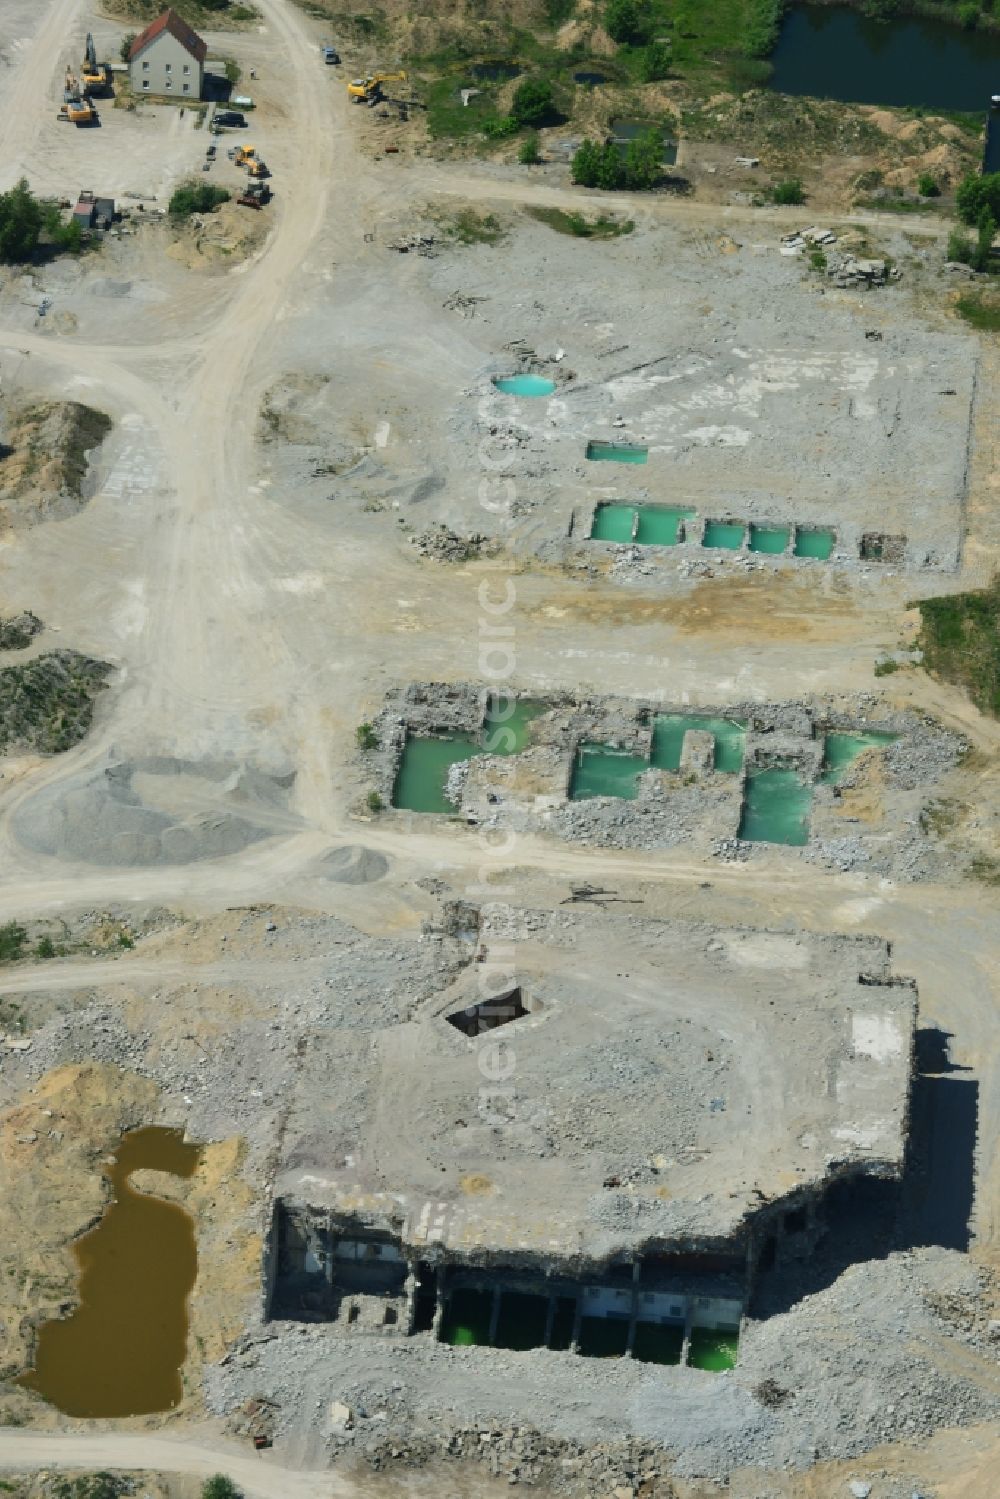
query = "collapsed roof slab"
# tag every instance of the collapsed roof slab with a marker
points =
(667, 1083)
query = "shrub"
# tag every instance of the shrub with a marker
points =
(529, 154)
(45, 948)
(927, 186)
(220, 1487)
(817, 260)
(960, 247)
(196, 197)
(789, 191)
(886, 666)
(125, 50)
(532, 103)
(366, 736)
(232, 70)
(968, 15)
(643, 161)
(374, 802)
(986, 228)
(498, 129)
(12, 939)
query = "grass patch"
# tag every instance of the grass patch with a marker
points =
(13, 936)
(892, 204)
(211, 14)
(471, 228)
(447, 116)
(985, 869)
(982, 314)
(579, 227)
(960, 641)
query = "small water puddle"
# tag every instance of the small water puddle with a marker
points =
(524, 385)
(593, 79)
(616, 452)
(423, 771)
(495, 71)
(121, 1351)
(623, 132)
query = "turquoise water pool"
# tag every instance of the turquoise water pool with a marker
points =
(524, 385)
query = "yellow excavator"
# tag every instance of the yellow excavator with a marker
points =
(95, 77)
(369, 90)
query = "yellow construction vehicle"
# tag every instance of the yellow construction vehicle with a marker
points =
(95, 76)
(246, 156)
(369, 90)
(76, 109)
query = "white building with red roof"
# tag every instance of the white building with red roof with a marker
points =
(168, 59)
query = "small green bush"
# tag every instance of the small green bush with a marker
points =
(366, 736)
(196, 197)
(533, 103)
(960, 248)
(927, 186)
(528, 154)
(12, 939)
(788, 192)
(654, 62)
(817, 260)
(220, 1487)
(886, 666)
(125, 50)
(374, 802)
(45, 948)
(627, 21)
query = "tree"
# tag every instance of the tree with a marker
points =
(125, 50)
(220, 1487)
(532, 103)
(986, 228)
(927, 186)
(610, 167)
(627, 21)
(968, 15)
(643, 161)
(529, 154)
(976, 192)
(586, 164)
(654, 62)
(789, 191)
(20, 223)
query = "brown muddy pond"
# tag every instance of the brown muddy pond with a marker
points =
(121, 1351)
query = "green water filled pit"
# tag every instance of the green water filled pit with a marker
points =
(668, 740)
(816, 542)
(771, 540)
(655, 1343)
(602, 770)
(646, 525)
(841, 750)
(713, 1350)
(422, 776)
(776, 805)
(423, 771)
(603, 1337)
(467, 1317)
(120, 1352)
(660, 525)
(613, 523)
(524, 385)
(726, 534)
(616, 452)
(523, 1319)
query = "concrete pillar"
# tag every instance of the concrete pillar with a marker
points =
(688, 1319)
(495, 1316)
(634, 1311)
(574, 1342)
(442, 1300)
(550, 1317)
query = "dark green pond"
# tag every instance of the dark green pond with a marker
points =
(834, 52)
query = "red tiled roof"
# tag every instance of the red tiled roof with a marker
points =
(179, 30)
